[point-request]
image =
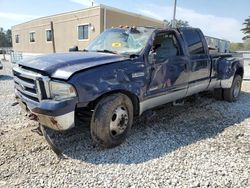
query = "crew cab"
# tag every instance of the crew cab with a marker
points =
(121, 74)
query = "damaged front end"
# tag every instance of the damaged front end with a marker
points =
(51, 103)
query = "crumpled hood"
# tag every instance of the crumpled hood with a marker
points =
(64, 65)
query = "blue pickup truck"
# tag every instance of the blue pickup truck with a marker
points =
(121, 74)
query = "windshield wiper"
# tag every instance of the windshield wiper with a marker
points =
(131, 56)
(106, 51)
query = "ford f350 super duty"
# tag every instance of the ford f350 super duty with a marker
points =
(120, 75)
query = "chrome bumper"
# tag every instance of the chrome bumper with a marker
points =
(61, 123)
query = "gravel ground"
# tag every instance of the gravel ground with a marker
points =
(205, 143)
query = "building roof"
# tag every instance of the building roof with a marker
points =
(130, 13)
(92, 8)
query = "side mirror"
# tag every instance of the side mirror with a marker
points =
(73, 49)
(152, 57)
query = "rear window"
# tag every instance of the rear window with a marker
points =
(194, 42)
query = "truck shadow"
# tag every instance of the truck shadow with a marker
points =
(171, 128)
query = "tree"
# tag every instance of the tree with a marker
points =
(2, 37)
(247, 45)
(179, 23)
(236, 47)
(240, 46)
(9, 37)
(182, 23)
(246, 30)
(5, 38)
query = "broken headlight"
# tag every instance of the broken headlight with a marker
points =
(61, 90)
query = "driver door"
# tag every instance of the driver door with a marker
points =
(169, 70)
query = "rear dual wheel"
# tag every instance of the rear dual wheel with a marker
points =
(230, 94)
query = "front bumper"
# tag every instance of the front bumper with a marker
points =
(63, 122)
(57, 115)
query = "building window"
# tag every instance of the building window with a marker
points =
(32, 37)
(48, 35)
(17, 38)
(83, 32)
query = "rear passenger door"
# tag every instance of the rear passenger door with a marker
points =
(200, 63)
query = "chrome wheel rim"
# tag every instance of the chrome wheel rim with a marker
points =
(236, 90)
(119, 121)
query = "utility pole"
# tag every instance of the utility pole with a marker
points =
(174, 16)
(53, 36)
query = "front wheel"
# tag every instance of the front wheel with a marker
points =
(112, 120)
(232, 94)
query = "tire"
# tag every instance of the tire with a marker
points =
(232, 94)
(112, 120)
(218, 94)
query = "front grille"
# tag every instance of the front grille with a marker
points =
(30, 84)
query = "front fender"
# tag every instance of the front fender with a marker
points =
(126, 76)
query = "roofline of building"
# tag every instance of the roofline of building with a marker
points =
(91, 8)
(59, 14)
(130, 13)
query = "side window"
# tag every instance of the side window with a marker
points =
(32, 37)
(17, 38)
(48, 35)
(83, 32)
(165, 46)
(193, 39)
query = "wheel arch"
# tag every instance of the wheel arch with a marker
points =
(228, 68)
(134, 99)
(240, 71)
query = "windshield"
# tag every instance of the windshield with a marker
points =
(121, 41)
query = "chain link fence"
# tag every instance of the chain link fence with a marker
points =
(15, 56)
(8, 54)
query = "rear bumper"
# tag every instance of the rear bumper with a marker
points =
(57, 115)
